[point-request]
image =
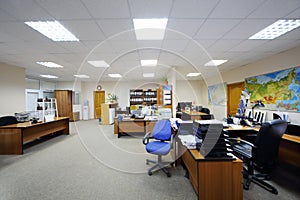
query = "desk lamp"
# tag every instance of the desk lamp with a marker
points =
(258, 103)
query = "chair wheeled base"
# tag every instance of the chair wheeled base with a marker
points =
(158, 164)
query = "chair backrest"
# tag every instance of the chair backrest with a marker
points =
(162, 130)
(267, 142)
(7, 120)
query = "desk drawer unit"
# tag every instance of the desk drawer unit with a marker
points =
(131, 127)
(191, 166)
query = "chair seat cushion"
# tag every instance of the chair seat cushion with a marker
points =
(158, 148)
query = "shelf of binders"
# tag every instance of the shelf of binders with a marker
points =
(139, 96)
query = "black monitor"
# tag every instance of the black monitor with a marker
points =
(182, 105)
(276, 116)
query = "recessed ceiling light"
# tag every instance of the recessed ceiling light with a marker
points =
(48, 76)
(192, 74)
(276, 29)
(150, 29)
(148, 62)
(215, 62)
(115, 75)
(53, 30)
(50, 64)
(98, 63)
(81, 76)
(146, 75)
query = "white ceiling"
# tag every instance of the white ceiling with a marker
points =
(197, 31)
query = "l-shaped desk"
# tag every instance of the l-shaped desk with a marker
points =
(12, 137)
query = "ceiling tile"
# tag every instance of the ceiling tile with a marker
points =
(70, 10)
(114, 27)
(150, 9)
(275, 9)
(192, 8)
(215, 28)
(184, 27)
(235, 9)
(103, 9)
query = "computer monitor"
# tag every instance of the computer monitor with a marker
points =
(276, 116)
(183, 105)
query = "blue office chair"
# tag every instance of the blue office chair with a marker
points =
(162, 145)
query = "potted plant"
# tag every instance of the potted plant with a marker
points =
(165, 80)
(112, 98)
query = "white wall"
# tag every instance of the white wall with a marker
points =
(12, 89)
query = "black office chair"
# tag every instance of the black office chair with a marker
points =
(260, 155)
(205, 110)
(7, 120)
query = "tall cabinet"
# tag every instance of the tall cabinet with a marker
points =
(65, 100)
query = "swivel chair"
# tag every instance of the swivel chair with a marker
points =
(162, 144)
(261, 155)
(7, 120)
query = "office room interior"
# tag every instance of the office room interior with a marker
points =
(107, 42)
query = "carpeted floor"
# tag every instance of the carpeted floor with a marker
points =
(92, 163)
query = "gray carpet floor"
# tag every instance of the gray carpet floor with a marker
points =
(92, 163)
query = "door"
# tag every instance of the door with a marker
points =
(99, 98)
(31, 99)
(234, 92)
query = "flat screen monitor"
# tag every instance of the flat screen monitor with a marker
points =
(182, 105)
(276, 116)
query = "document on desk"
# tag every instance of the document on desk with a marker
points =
(188, 141)
(234, 126)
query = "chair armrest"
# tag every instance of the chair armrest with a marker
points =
(146, 138)
(171, 140)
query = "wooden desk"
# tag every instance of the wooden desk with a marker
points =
(126, 126)
(214, 179)
(289, 148)
(12, 137)
(192, 115)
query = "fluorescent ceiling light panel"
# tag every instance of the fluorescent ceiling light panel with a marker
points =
(98, 63)
(150, 29)
(215, 62)
(192, 74)
(48, 76)
(81, 76)
(276, 29)
(115, 75)
(146, 75)
(53, 30)
(148, 62)
(50, 64)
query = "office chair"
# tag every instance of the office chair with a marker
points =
(7, 120)
(260, 155)
(162, 145)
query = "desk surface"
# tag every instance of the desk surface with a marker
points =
(192, 112)
(29, 124)
(287, 137)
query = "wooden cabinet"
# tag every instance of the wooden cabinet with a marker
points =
(164, 96)
(99, 99)
(65, 100)
(108, 113)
